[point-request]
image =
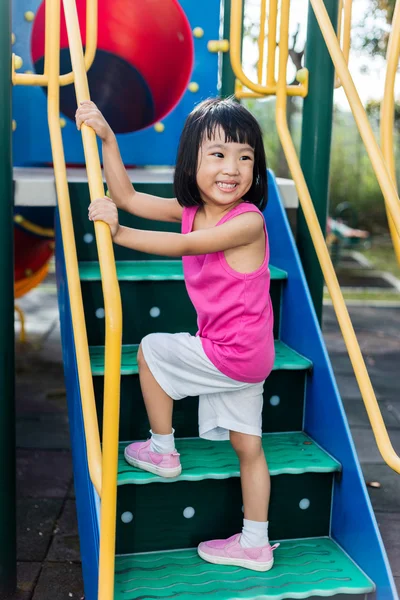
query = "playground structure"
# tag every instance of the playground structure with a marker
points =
(93, 347)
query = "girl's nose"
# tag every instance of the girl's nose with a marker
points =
(230, 169)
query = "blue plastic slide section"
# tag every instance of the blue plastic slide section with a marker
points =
(87, 500)
(353, 524)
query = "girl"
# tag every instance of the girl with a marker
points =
(220, 186)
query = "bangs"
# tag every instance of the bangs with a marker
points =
(233, 129)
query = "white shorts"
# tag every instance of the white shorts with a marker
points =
(182, 368)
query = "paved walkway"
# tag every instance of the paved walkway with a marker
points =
(48, 545)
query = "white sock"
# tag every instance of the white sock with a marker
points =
(254, 534)
(162, 444)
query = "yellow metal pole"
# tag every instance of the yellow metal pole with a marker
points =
(272, 20)
(346, 326)
(374, 153)
(387, 114)
(261, 41)
(113, 315)
(90, 53)
(74, 287)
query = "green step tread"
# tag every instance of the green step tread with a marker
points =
(302, 568)
(149, 270)
(287, 453)
(285, 359)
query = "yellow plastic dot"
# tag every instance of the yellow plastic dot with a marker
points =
(29, 16)
(218, 46)
(28, 272)
(193, 87)
(108, 193)
(198, 32)
(18, 62)
(302, 75)
(159, 127)
(18, 218)
(14, 124)
(63, 122)
(13, 38)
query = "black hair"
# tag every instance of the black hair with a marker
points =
(239, 126)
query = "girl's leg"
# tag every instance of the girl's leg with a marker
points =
(254, 475)
(159, 405)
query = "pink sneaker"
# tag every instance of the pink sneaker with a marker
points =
(165, 465)
(230, 552)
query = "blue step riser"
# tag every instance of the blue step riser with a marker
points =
(283, 406)
(158, 511)
(140, 299)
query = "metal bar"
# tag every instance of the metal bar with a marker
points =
(346, 326)
(261, 41)
(8, 566)
(316, 146)
(113, 317)
(236, 61)
(360, 117)
(71, 262)
(387, 114)
(90, 53)
(272, 20)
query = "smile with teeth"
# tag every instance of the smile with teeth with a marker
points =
(226, 186)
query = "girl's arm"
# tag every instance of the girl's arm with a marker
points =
(240, 231)
(121, 190)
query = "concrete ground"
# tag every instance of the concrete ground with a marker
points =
(48, 545)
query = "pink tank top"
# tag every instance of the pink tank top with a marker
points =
(234, 310)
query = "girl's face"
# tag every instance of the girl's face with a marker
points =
(224, 170)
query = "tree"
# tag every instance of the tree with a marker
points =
(374, 30)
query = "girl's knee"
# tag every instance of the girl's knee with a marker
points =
(247, 447)
(141, 361)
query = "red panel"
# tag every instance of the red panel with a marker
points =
(30, 253)
(152, 35)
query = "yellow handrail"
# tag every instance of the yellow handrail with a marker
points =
(236, 62)
(67, 78)
(364, 127)
(113, 314)
(344, 36)
(272, 20)
(346, 326)
(71, 262)
(387, 113)
(261, 41)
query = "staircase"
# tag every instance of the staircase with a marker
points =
(319, 510)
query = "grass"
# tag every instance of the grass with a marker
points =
(366, 296)
(383, 258)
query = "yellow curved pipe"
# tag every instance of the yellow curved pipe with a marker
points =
(236, 62)
(113, 314)
(387, 113)
(364, 127)
(33, 228)
(346, 326)
(67, 78)
(71, 262)
(25, 285)
(20, 313)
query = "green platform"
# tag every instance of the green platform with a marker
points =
(285, 359)
(302, 569)
(149, 270)
(287, 453)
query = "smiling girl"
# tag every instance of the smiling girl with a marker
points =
(221, 189)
